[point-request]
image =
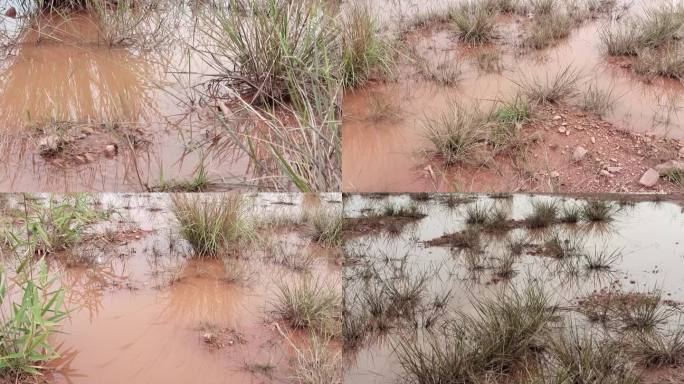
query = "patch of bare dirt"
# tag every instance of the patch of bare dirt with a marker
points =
(612, 159)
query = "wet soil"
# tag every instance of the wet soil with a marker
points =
(384, 142)
(78, 114)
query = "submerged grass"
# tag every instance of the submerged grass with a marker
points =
(212, 223)
(558, 87)
(544, 213)
(502, 334)
(308, 303)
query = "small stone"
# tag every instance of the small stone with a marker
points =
(593, 140)
(50, 145)
(606, 173)
(209, 337)
(614, 169)
(650, 178)
(557, 117)
(111, 150)
(579, 153)
(561, 130)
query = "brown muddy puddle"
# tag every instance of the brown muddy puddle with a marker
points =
(144, 312)
(123, 110)
(652, 257)
(384, 139)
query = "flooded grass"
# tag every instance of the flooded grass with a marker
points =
(461, 61)
(169, 98)
(166, 287)
(564, 301)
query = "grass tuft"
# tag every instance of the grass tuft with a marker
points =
(475, 22)
(544, 213)
(211, 224)
(364, 51)
(560, 86)
(308, 303)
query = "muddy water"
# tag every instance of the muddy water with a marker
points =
(652, 256)
(62, 70)
(141, 310)
(384, 154)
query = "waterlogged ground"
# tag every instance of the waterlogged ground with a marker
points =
(385, 139)
(406, 254)
(86, 106)
(143, 311)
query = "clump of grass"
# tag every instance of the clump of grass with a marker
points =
(597, 100)
(300, 145)
(57, 224)
(563, 248)
(598, 210)
(477, 214)
(582, 358)
(354, 328)
(475, 22)
(458, 134)
(497, 219)
(560, 86)
(508, 119)
(517, 111)
(506, 6)
(658, 27)
(211, 223)
(621, 39)
(27, 320)
(642, 311)
(504, 265)
(667, 62)
(317, 364)
(655, 350)
(502, 334)
(364, 50)
(548, 29)
(308, 303)
(571, 214)
(516, 244)
(543, 7)
(325, 226)
(278, 47)
(393, 210)
(601, 259)
(676, 176)
(544, 213)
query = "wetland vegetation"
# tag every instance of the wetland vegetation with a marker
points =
(158, 287)
(514, 289)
